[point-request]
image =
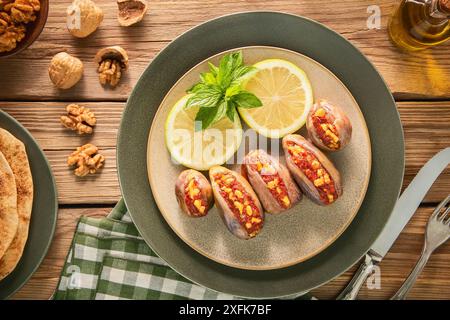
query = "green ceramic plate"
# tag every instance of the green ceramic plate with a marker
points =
(308, 228)
(308, 38)
(43, 216)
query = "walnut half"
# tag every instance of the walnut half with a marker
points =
(87, 160)
(79, 119)
(111, 62)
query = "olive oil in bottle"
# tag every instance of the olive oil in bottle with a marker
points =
(419, 24)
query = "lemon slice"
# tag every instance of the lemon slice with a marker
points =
(286, 94)
(200, 149)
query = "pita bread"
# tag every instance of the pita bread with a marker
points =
(8, 206)
(15, 153)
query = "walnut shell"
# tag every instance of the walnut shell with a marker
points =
(83, 18)
(131, 11)
(114, 53)
(65, 70)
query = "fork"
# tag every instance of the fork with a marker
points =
(438, 232)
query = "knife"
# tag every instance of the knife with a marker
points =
(404, 209)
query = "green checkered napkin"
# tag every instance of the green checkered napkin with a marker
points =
(108, 259)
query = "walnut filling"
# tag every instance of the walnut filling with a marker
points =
(273, 182)
(86, 159)
(110, 72)
(193, 198)
(14, 15)
(240, 203)
(23, 10)
(314, 171)
(79, 119)
(325, 129)
(10, 32)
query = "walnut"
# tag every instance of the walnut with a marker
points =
(3, 3)
(111, 62)
(131, 11)
(10, 33)
(79, 119)
(23, 10)
(65, 70)
(87, 160)
(83, 18)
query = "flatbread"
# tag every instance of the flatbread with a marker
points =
(8, 206)
(15, 153)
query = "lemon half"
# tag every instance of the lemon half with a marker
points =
(286, 94)
(200, 149)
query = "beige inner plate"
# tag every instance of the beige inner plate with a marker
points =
(288, 238)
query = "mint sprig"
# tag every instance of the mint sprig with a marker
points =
(220, 91)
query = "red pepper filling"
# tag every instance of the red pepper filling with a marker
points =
(314, 171)
(240, 203)
(194, 200)
(325, 130)
(273, 182)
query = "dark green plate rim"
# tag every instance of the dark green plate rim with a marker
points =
(311, 39)
(44, 214)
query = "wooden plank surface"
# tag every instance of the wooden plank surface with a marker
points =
(425, 125)
(434, 282)
(411, 76)
(421, 75)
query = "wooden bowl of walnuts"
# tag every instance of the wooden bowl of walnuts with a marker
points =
(21, 22)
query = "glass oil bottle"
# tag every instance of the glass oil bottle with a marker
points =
(419, 24)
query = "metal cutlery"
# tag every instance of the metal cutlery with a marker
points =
(404, 209)
(437, 232)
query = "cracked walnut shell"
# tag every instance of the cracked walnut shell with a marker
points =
(83, 18)
(111, 62)
(86, 159)
(79, 119)
(131, 11)
(65, 70)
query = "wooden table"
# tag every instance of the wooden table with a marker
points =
(419, 82)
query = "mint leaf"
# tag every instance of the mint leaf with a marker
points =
(232, 91)
(208, 78)
(247, 100)
(196, 87)
(205, 117)
(236, 58)
(221, 111)
(240, 73)
(220, 92)
(205, 97)
(231, 110)
(228, 64)
(214, 70)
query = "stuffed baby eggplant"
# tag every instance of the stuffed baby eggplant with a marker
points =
(312, 170)
(194, 194)
(328, 126)
(271, 181)
(238, 204)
